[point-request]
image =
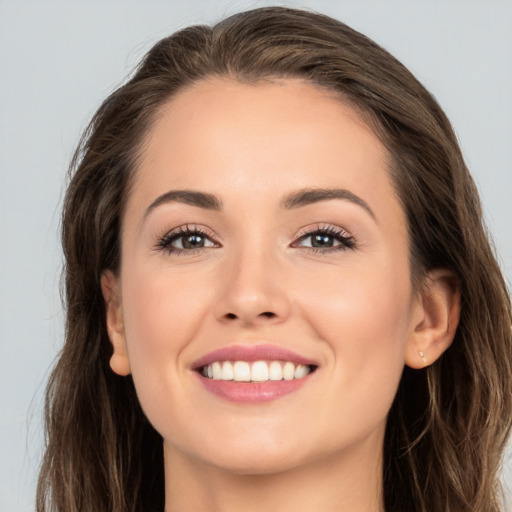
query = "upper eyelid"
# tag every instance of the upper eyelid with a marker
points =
(189, 228)
(329, 228)
(169, 236)
(346, 239)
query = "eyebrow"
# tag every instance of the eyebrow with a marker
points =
(190, 197)
(308, 196)
(297, 199)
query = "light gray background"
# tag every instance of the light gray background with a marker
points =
(58, 60)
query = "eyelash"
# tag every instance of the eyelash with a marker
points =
(346, 241)
(339, 234)
(165, 242)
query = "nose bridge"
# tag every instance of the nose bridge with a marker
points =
(254, 290)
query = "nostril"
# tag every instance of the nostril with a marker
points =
(266, 314)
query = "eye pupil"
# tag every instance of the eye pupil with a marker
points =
(193, 241)
(321, 240)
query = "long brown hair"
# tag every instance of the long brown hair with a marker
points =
(449, 423)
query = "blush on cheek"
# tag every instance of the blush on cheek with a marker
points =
(365, 326)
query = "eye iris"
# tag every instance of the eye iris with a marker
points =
(193, 241)
(321, 240)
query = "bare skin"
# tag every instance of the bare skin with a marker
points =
(263, 263)
(349, 483)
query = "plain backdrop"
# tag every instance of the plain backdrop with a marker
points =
(58, 60)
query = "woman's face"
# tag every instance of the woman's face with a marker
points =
(262, 225)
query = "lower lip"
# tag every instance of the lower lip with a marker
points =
(252, 392)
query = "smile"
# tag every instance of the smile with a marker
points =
(253, 373)
(258, 371)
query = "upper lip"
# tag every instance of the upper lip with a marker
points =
(251, 353)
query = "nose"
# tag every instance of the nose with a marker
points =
(253, 292)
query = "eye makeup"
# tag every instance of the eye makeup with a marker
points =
(190, 239)
(325, 238)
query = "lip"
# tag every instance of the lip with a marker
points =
(252, 392)
(252, 353)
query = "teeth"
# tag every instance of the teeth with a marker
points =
(217, 371)
(259, 371)
(288, 371)
(241, 371)
(301, 371)
(227, 371)
(275, 372)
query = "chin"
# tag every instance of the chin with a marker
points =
(258, 465)
(246, 456)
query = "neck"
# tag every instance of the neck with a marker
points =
(343, 482)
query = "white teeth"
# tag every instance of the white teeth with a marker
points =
(275, 372)
(301, 371)
(241, 371)
(217, 371)
(227, 371)
(288, 371)
(259, 371)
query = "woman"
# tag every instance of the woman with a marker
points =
(279, 290)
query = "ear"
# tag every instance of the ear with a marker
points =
(435, 319)
(110, 288)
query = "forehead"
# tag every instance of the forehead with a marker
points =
(224, 136)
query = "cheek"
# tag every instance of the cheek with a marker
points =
(162, 313)
(362, 316)
(160, 304)
(360, 309)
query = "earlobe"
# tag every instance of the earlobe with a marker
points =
(114, 318)
(435, 319)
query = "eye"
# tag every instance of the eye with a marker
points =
(325, 239)
(186, 239)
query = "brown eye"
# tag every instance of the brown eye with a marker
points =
(186, 239)
(322, 240)
(328, 239)
(319, 241)
(191, 241)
